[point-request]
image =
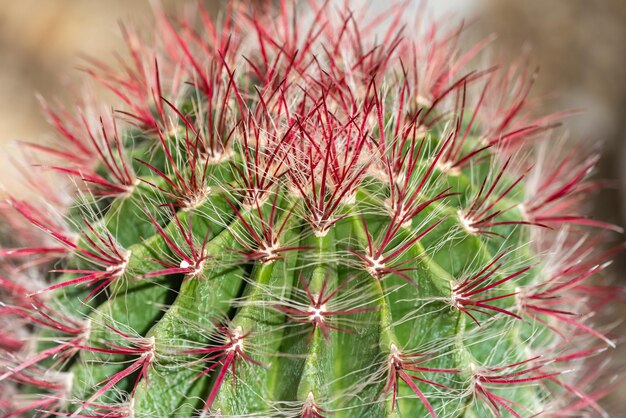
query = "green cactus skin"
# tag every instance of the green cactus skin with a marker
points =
(312, 214)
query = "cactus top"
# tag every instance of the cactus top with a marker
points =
(319, 211)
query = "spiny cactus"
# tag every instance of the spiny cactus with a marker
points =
(317, 212)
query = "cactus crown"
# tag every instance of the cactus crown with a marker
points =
(303, 215)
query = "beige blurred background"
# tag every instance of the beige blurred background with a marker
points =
(40, 43)
(580, 46)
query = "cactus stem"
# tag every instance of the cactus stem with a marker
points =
(308, 175)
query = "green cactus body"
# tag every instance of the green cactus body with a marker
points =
(315, 225)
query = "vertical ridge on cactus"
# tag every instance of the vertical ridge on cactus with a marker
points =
(317, 212)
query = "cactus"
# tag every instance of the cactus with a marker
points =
(317, 212)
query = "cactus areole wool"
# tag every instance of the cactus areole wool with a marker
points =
(309, 212)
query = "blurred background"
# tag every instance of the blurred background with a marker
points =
(579, 46)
